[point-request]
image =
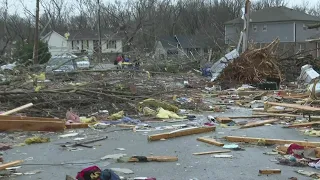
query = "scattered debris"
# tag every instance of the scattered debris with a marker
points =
(222, 156)
(36, 139)
(270, 171)
(211, 152)
(113, 156)
(10, 164)
(270, 141)
(148, 159)
(122, 170)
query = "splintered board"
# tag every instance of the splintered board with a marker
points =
(181, 132)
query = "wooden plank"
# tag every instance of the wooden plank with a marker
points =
(10, 164)
(303, 124)
(259, 123)
(223, 120)
(247, 117)
(277, 114)
(270, 171)
(17, 109)
(28, 125)
(211, 152)
(210, 141)
(271, 141)
(295, 106)
(28, 118)
(77, 125)
(181, 132)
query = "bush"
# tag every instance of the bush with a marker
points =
(24, 53)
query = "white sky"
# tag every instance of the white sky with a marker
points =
(16, 6)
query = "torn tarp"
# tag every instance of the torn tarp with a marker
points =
(218, 67)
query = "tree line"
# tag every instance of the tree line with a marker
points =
(141, 22)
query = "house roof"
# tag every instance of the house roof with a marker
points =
(86, 35)
(186, 41)
(276, 14)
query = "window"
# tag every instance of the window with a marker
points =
(264, 28)
(304, 27)
(112, 45)
(88, 44)
(72, 45)
(255, 28)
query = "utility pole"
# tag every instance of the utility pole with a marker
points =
(246, 24)
(99, 31)
(36, 35)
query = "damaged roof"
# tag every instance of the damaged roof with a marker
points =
(276, 14)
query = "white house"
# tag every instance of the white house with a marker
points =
(84, 40)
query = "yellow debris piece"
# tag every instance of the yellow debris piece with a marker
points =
(165, 114)
(36, 139)
(157, 104)
(88, 120)
(117, 115)
(149, 112)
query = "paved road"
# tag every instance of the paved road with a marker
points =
(243, 166)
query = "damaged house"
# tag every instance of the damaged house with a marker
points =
(80, 41)
(290, 26)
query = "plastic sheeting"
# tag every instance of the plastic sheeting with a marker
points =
(218, 67)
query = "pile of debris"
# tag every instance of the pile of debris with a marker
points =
(252, 67)
(291, 66)
(92, 92)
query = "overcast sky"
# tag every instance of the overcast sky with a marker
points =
(15, 5)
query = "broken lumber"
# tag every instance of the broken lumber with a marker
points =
(259, 123)
(30, 125)
(211, 152)
(270, 171)
(180, 132)
(223, 120)
(210, 141)
(29, 118)
(17, 109)
(303, 124)
(246, 117)
(270, 141)
(77, 125)
(295, 106)
(10, 164)
(277, 114)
